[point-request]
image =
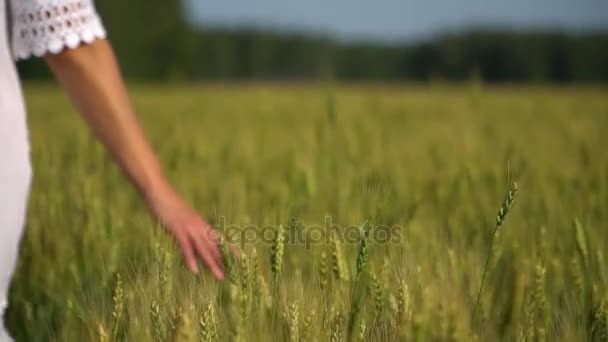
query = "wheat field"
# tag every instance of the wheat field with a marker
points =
(433, 166)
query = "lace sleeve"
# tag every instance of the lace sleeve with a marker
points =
(49, 26)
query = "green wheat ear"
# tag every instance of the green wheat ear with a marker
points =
(507, 204)
(208, 324)
(378, 293)
(306, 332)
(323, 271)
(339, 267)
(293, 321)
(363, 254)
(229, 259)
(404, 310)
(102, 334)
(581, 241)
(157, 323)
(118, 304)
(337, 325)
(184, 330)
(503, 211)
(276, 253)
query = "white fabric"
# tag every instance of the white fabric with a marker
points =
(38, 27)
(42, 26)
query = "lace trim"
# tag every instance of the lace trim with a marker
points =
(43, 26)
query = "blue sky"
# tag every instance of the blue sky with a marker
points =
(399, 19)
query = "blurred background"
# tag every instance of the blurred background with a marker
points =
(384, 40)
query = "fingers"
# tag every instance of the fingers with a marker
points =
(187, 253)
(213, 240)
(204, 249)
(197, 239)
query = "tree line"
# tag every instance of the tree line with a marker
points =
(154, 41)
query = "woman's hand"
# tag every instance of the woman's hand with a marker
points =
(91, 77)
(195, 237)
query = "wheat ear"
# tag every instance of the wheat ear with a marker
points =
(503, 211)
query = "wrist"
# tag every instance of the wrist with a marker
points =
(159, 194)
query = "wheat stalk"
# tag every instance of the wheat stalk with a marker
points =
(339, 269)
(102, 334)
(117, 304)
(264, 292)
(254, 266)
(174, 323)
(378, 291)
(229, 259)
(357, 293)
(163, 262)
(503, 211)
(404, 310)
(276, 255)
(208, 324)
(362, 330)
(363, 254)
(539, 302)
(307, 327)
(599, 326)
(157, 330)
(323, 271)
(335, 334)
(184, 331)
(293, 320)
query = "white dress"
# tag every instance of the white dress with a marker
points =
(28, 28)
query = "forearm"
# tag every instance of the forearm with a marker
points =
(91, 77)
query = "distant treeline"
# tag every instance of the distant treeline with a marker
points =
(158, 44)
